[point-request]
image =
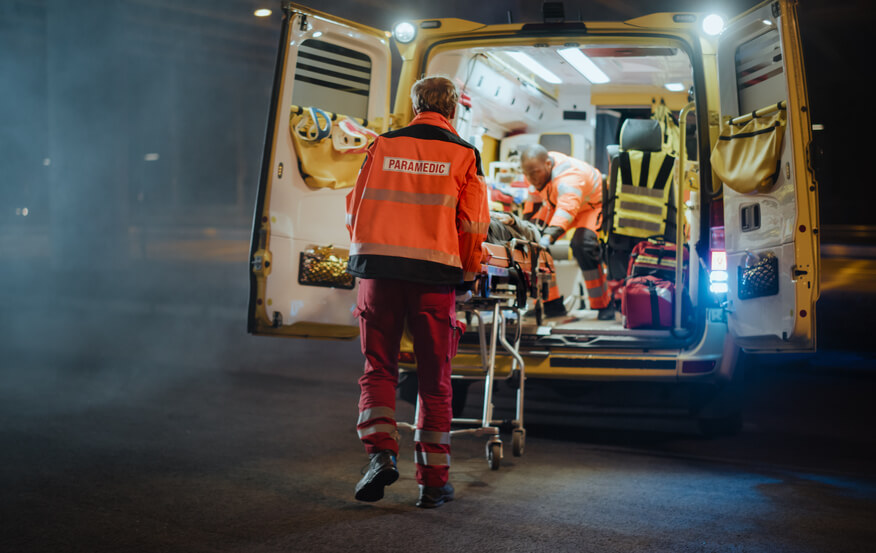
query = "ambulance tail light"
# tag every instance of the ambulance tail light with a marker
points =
(718, 275)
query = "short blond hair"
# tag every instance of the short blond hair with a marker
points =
(436, 94)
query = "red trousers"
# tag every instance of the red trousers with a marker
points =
(384, 307)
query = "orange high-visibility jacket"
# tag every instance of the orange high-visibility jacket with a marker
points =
(419, 209)
(573, 197)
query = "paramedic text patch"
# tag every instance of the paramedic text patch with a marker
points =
(416, 166)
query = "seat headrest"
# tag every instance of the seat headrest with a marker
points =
(641, 134)
(612, 150)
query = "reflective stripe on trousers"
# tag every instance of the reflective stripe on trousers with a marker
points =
(585, 247)
(377, 428)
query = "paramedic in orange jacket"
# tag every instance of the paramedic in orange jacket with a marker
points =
(417, 218)
(571, 193)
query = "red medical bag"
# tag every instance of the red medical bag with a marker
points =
(647, 302)
(656, 257)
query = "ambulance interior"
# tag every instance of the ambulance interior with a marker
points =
(575, 99)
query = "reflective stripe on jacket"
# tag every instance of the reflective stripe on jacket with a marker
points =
(419, 209)
(573, 197)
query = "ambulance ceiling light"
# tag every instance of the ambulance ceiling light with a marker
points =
(404, 32)
(713, 24)
(583, 65)
(535, 67)
(674, 87)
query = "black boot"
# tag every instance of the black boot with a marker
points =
(434, 497)
(555, 308)
(606, 314)
(382, 472)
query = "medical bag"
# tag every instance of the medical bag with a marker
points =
(655, 257)
(646, 302)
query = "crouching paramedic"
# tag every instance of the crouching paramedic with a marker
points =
(571, 193)
(417, 218)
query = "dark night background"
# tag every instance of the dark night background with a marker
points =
(136, 414)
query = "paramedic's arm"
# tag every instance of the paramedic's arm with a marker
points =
(355, 195)
(472, 220)
(569, 199)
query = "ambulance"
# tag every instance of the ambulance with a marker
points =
(728, 107)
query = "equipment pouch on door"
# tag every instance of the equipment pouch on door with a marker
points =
(747, 158)
(321, 164)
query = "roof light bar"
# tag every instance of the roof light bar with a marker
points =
(535, 67)
(584, 65)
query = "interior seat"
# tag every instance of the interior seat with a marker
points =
(638, 202)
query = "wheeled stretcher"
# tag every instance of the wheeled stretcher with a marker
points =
(511, 274)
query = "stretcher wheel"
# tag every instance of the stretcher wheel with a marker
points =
(494, 454)
(518, 441)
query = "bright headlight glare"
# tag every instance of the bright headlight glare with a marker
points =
(719, 288)
(404, 32)
(713, 24)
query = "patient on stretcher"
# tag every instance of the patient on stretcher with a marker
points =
(506, 226)
(514, 260)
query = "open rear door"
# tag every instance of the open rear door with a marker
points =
(771, 234)
(328, 70)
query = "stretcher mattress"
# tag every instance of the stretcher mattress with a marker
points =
(523, 264)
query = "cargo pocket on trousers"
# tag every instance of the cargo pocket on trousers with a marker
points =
(457, 329)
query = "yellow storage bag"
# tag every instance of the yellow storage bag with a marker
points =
(747, 159)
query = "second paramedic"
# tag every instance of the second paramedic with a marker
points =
(417, 218)
(571, 194)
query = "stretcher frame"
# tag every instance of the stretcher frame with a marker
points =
(509, 274)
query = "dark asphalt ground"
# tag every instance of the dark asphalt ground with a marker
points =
(151, 421)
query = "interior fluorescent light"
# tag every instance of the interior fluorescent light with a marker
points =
(535, 67)
(674, 87)
(583, 65)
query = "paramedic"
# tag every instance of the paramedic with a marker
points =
(571, 193)
(417, 218)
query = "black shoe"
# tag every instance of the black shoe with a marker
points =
(381, 473)
(434, 497)
(554, 308)
(549, 309)
(606, 314)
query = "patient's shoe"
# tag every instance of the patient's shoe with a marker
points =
(435, 497)
(382, 472)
